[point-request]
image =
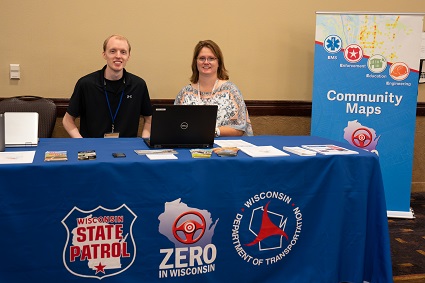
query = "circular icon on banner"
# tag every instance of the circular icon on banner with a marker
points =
(399, 71)
(361, 137)
(377, 63)
(353, 53)
(332, 44)
(188, 230)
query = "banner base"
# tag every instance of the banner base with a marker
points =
(401, 214)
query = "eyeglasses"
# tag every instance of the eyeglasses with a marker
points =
(208, 59)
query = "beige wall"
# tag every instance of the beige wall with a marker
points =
(268, 45)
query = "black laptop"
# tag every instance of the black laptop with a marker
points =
(183, 126)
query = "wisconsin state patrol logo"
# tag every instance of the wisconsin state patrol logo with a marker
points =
(99, 242)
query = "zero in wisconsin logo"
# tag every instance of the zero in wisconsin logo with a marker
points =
(267, 228)
(99, 242)
(190, 230)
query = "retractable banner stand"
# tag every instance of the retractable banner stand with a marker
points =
(366, 73)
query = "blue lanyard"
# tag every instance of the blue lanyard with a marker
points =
(109, 106)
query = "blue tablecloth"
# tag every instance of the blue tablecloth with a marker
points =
(234, 219)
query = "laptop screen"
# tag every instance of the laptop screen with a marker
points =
(189, 126)
(20, 129)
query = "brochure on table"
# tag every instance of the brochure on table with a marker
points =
(262, 151)
(299, 151)
(17, 157)
(329, 149)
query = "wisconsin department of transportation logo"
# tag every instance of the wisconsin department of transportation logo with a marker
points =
(99, 242)
(267, 228)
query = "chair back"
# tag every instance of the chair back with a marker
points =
(45, 108)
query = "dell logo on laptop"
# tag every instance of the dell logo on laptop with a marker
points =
(184, 126)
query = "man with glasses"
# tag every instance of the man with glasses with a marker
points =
(210, 85)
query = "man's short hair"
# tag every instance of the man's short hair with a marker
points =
(117, 36)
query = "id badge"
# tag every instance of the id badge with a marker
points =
(111, 135)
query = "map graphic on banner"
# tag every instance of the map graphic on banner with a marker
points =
(365, 91)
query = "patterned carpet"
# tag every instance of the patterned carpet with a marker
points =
(408, 243)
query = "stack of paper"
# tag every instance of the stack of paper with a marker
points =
(232, 143)
(17, 157)
(161, 156)
(299, 151)
(155, 151)
(329, 149)
(263, 151)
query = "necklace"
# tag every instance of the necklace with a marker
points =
(212, 91)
